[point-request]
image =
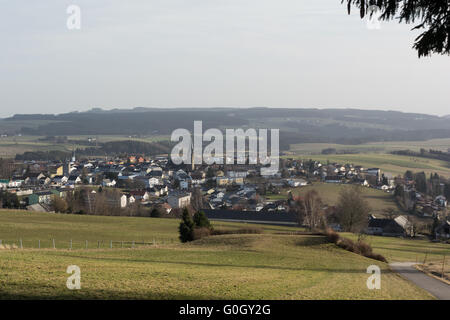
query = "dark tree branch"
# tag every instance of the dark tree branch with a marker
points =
(431, 15)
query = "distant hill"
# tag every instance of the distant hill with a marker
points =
(346, 126)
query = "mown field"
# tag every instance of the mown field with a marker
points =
(378, 200)
(258, 266)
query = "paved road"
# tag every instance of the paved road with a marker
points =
(437, 288)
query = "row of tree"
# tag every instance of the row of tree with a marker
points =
(351, 212)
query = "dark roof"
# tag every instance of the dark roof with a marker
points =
(379, 223)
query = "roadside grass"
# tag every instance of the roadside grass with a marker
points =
(406, 250)
(263, 266)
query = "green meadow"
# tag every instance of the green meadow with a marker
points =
(273, 265)
(378, 200)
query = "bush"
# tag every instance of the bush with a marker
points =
(364, 248)
(377, 256)
(360, 247)
(196, 228)
(201, 221)
(199, 233)
(155, 213)
(332, 236)
(218, 232)
(186, 228)
(347, 244)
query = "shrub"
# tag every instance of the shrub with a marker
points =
(155, 213)
(201, 221)
(218, 232)
(196, 228)
(186, 228)
(360, 247)
(199, 233)
(363, 248)
(332, 236)
(377, 256)
(347, 244)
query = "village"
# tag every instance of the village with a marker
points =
(135, 185)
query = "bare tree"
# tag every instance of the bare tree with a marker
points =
(59, 204)
(352, 209)
(309, 210)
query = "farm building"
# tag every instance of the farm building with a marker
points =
(399, 226)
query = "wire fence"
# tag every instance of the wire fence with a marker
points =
(72, 244)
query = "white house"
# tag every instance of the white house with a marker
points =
(297, 182)
(179, 200)
(108, 183)
(15, 183)
(74, 180)
(60, 180)
(123, 201)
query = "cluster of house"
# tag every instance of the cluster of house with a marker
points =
(348, 173)
(158, 181)
(35, 183)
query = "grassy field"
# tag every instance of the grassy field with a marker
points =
(10, 146)
(373, 147)
(406, 250)
(221, 267)
(32, 227)
(394, 164)
(329, 192)
(261, 266)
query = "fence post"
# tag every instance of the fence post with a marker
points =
(54, 245)
(98, 244)
(153, 241)
(132, 244)
(21, 245)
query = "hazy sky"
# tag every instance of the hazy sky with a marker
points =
(210, 53)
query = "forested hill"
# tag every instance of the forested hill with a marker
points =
(347, 126)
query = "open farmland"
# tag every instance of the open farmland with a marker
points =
(372, 147)
(394, 164)
(260, 266)
(329, 192)
(10, 146)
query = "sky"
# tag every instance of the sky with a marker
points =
(211, 53)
